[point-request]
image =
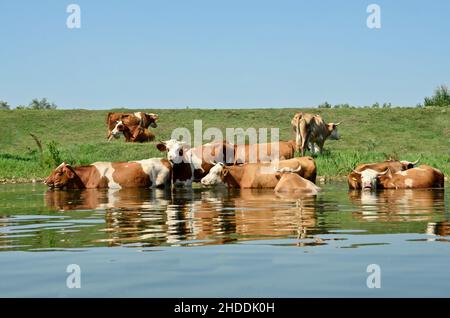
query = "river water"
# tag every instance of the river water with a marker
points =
(224, 243)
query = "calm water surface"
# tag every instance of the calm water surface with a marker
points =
(221, 243)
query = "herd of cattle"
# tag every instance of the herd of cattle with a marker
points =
(229, 164)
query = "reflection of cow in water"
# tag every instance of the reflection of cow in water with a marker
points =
(441, 228)
(398, 205)
(156, 217)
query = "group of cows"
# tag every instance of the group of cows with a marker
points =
(230, 164)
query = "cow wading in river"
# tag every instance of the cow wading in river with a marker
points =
(365, 175)
(145, 173)
(423, 176)
(259, 175)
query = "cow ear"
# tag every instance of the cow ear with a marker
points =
(68, 171)
(161, 147)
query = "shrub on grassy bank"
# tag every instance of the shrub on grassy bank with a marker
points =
(440, 98)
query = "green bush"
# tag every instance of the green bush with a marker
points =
(4, 105)
(440, 98)
(39, 104)
(325, 105)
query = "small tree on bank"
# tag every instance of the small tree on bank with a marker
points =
(4, 105)
(39, 104)
(440, 98)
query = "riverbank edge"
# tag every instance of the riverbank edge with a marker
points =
(320, 179)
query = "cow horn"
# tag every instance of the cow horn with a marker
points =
(357, 172)
(415, 162)
(383, 173)
(288, 170)
(337, 124)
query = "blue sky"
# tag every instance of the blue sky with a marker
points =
(234, 54)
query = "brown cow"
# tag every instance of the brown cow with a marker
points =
(258, 175)
(141, 119)
(311, 130)
(134, 174)
(358, 180)
(133, 133)
(423, 176)
(263, 152)
(290, 181)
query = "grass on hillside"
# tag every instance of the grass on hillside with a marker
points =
(79, 136)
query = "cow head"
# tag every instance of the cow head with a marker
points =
(62, 177)
(215, 175)
(408, 164)
(369, 178)
(118, 129)
(332, 131)
(175, 149)
(151, 119)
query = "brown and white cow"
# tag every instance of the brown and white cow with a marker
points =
(191, 164)
(258, 175)
(146, 173)
(364, 175)
(132, 133)
(311, 130)
(141, 119)
(291, 182)
(423, 176)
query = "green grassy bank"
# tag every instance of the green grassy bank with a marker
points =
(78, 136)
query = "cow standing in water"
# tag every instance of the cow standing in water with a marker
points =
(134, 174)
(191, 164)
(311, 130)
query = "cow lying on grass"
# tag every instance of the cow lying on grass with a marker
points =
(132, 133)
(140, 119)
(134, 174)
(258, 175)
(423, 176)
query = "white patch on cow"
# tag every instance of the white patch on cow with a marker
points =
(214, 175)
(174, 147)
(105, 169)
(158, 173)
(138, 115)
(409, 182)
